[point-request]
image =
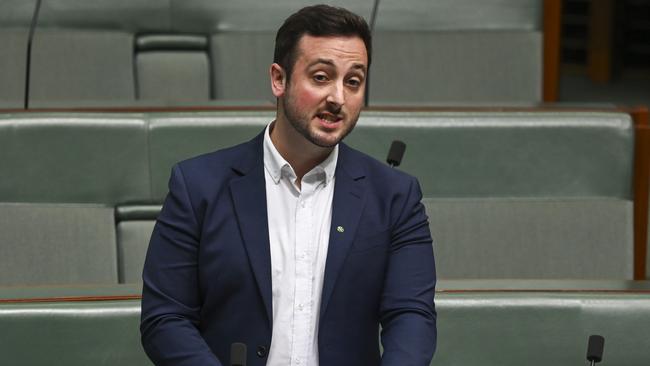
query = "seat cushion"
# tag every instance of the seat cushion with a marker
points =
(57, 244)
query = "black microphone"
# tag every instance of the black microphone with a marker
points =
(238, 354)
(395, 153)
(595, 348)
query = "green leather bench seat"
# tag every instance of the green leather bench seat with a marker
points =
(462, 66)
(535, 237)
(67, 174)
(74, 158)
(507, 154)
(84, 56)
(519, 328)
(179, 136)
(173, 68)
(57, 243)
(509, 194)
(72, 333)
(94, 66)
(492, 323)
(518, 195)
(12, 65)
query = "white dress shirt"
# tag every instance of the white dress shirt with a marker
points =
(299, 221)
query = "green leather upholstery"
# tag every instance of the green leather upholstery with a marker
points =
(57, 244)
(15, 17)
(67, 172)
(12, 66)
(507, 154)
(81, 65)
(518, 195)
(173, 68)
(509, 194)
(425, 51)
(532, 237)
(465, 66)
(522, 328)
(491, 323)
(175, 137)
(132, 241)
(78, 333)
(75, 158)
(234, 80)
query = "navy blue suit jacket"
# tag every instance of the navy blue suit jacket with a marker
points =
(207, 276)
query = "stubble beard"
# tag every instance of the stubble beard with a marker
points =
(301, 122)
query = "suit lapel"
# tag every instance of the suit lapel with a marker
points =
(347, 206)
(249, 198)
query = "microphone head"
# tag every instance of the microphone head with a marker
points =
(396, 153)
(595, 348)
(238, 354)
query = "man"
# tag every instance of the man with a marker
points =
(293, 243)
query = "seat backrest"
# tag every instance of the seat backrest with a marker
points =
(15, 19)
(173, 68)
(510, 328)
(241, 63)
(57, 244)
(175, 137)
(507, 154)
(457, 52)
(78, 67)
(534, 238)
(461, 67)
(13, 60)
(74, 158)
(94, 330)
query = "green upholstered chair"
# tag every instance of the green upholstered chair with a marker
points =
(82, 325)
(67, 173)
(492, 323)
(509, 194)
(448, 52)
(173, 68)
(540, 322)
(81, 67)
(518, 194)
(174, 137)
(12, 65)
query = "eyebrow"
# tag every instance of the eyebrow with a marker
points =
(329, 62)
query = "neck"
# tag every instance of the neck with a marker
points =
(301, 153)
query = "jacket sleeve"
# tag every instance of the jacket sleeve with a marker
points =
(407, 311)
(171, 303)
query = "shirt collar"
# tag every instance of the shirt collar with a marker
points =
(274, 163)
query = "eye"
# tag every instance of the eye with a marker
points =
(354, 82)
(321, 78)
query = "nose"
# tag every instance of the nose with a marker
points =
(336, 96)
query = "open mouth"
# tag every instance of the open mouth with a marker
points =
(328, 118)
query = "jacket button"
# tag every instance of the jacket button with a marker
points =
(261, 351)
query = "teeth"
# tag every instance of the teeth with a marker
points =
(328, 118)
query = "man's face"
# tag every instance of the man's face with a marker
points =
(324, 95)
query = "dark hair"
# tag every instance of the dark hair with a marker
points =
(318, 21)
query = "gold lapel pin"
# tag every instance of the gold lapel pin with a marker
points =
(340, 229)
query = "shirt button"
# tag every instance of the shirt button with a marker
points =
(300, 307)
(261, 351)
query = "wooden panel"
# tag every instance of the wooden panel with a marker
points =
(599, 58)
(552, 26)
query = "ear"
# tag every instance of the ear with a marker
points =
(278, 80)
